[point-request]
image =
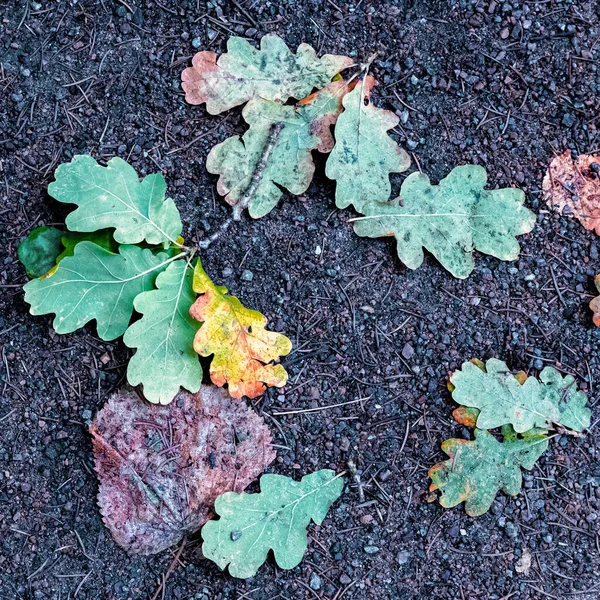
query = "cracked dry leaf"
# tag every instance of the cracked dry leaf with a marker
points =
(479, 469)
(273, 73)
(275, 519)
(114, 197)
(95, 284)
(504, 399)
(572, 187)
(165, 359)
(276, 150)
(160, 468)
(243, 349)
(364, 155)
(451, 220)
(595, 303)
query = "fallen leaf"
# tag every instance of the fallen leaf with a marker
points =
(276, 150)
(364, 155)
(572, 187)
(275, 519)
(273, 73)
(39, 250)
(595, 303)
(243, 350)
(161, 468)
(450, 220)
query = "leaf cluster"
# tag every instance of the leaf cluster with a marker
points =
(524, 408)
(450, 220)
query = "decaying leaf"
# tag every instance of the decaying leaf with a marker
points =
(275, 519)
(573, 188)
(39, 250)
(165, 359)
(502, 399)
(364, 155)
(479, 469)
(162, 467)
(450, 220)
(276, 150)
(273, 73)
(95, 284)
(595, 303)
(114, 197)
(243, 349)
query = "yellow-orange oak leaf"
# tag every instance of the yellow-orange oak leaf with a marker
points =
(243, 350)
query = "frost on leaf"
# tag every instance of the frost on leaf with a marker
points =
(450, 220)
(162, 467)
(479, 469)
(95, 284)
(276, 150)
(114, 197)
(572, 187)
(243, 349)
(165, 359)
(275, 519)
(364, 155)
(503, 400)
(273, 73)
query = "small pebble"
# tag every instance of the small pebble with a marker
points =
(315, 581)
(247, 275)
(371, 549)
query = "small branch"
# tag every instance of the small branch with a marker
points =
(169, 570)
(255, 181)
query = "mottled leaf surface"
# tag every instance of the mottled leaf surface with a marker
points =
(595, 303)
(39, 250)
(290, 163)
(243, 349)
(275, 519)
(114, 197)
(165, 359)
(95, 284)
(450, 220)
(161, 468)
(273, 73)
(479, 469)
(364, 155)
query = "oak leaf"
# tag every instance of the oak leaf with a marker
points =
(364, 155)
(275, 519)
(39, 250)
(161, 468)
(573, 188)
(595, 303)
(273, 73)
(276, 150)
(450, 220)
(243, 349)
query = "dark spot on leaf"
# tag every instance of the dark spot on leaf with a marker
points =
(235, 535)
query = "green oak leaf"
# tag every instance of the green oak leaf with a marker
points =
(273, 73)
(114, 197)
(165, 359)
(39, 250)
(571, 402)
(275, 519)
(364, 155)
(102, 237)
(241, 163)
(479, 469)
(450, 220)
(95, 284)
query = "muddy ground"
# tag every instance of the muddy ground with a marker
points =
(502, 84)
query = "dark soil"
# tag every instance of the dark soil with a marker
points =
(502, 84)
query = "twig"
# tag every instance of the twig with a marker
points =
(166, 575)
(356, 477)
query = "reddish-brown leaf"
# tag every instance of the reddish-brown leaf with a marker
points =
(573, 187)
(162, 467)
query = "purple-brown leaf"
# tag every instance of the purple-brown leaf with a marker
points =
(162, 467)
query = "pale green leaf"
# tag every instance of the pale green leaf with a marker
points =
(273, 73)
(450, 220)
(165, 359)
(502, 400)
(275, 519)
(364, 155)
(266, 158)
(479, 469)
(95, 284)
(114, 197)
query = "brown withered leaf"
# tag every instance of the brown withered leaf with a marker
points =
(162, 467)
(573, 187)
